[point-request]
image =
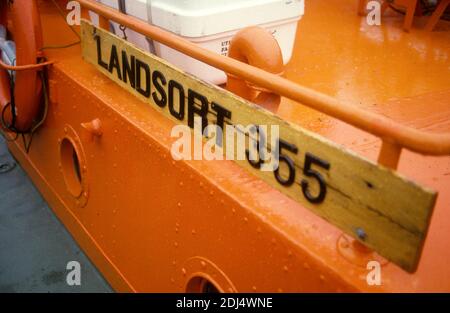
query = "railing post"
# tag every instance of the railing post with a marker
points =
(362, 7)
(389, 154)
(85, 14)
(103, 22)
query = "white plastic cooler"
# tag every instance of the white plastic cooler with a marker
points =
(210, 24)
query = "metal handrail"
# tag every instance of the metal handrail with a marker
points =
(395, 136)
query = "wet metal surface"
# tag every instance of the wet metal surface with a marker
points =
(337, 53)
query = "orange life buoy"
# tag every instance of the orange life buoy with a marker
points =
(20, 108)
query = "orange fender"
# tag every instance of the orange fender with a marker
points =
(27, 35)
(257, 47)
(5, 98)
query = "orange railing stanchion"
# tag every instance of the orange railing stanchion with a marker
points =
(362, 7)
(103, 22)
(434, 19)
(389, 154)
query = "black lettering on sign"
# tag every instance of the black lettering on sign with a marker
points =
(158, 81)
(139, 67)
(193, 109)
(137, 74)
(311, 159)
(255, 147)
(222, 113)
(129, 69)
(99, 53)
(114, 62)
(180, 113)
(290, 163)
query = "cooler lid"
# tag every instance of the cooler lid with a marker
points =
(198, 18)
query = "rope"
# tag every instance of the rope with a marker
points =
(27, 67)
(11, 104)
(27, 146)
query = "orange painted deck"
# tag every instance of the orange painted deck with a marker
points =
(404, 76)
(144, 231)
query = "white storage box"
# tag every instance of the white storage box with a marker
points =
(211, 24)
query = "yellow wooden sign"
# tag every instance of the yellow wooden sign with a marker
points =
(380, 208)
